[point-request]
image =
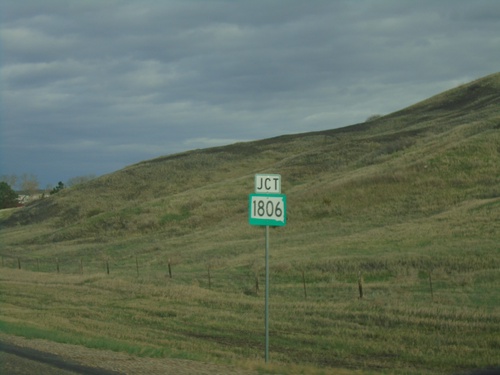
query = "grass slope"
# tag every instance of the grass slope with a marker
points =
(406, 206)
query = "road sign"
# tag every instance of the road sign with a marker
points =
(267, 209)
(268, 183)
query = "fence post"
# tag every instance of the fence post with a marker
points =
(430, 284)
(304, 282)
(209, 278)
(57, 264)
(169, 268)
(107, 266)
(19, 263)
(360, 285)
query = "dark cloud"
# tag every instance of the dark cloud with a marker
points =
(88, 87)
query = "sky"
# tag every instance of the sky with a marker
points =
(89, 87)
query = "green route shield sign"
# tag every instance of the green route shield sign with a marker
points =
(267, 209)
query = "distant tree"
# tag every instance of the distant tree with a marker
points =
(60, 186)
(8, 197)
(9, 179)
(29, 183)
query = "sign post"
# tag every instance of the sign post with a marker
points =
(267, 207)
(266, 312)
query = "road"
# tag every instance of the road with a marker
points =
(19, 355)
(16, 360)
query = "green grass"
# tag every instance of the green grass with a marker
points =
(397, 202)
(397, 325)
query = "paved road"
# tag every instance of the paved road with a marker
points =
(16, 360)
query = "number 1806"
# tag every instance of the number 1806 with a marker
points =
(267, 207)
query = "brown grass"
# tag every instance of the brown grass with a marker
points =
(392, 200)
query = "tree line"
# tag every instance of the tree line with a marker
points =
(11, 186)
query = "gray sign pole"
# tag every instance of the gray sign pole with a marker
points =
(267, 294)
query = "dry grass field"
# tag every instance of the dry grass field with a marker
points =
(389, 262)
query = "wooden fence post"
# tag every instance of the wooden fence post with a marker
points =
(430, 284)
(360, 285)
(304, 283)
(169, 268)
(209, 278)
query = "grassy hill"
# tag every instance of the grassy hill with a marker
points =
(407, 206)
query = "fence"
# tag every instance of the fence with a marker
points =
(358, 275)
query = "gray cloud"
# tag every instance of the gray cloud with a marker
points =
(88, 87)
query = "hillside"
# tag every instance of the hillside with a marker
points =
(424, 159)
(386, 201)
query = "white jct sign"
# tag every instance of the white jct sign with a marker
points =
(268, 183)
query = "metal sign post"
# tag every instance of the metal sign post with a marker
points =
(266, 320)
(267, 207)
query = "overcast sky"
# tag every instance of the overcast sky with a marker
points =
(90, 86)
